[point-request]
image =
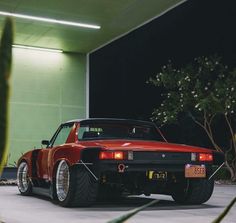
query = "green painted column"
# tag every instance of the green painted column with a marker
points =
(47, 89)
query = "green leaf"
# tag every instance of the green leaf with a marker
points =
(5, 69)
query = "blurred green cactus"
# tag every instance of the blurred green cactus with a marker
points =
(5, 70)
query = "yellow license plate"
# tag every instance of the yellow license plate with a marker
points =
(195, 171)
(156, 175)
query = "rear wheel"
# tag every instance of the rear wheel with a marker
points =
(74, 186)
(23, 180)
(62, 181)
(193, 191)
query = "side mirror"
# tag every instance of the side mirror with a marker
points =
(45, 142)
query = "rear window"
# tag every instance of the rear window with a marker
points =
(118, 131)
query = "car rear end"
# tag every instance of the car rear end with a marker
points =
(133, 157)
(151, 172)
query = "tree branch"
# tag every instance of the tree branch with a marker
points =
(231, 132)
(230, 169)
(211, 119)
(208, 134)
(208, 126)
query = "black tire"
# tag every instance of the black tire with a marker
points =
(193, 191)
(23, 181)
(82, 188)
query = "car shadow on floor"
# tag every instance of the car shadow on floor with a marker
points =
(130, 203)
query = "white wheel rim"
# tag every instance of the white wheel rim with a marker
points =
(62, 180)
(22, 177)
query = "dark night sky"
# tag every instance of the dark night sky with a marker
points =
(118, 71)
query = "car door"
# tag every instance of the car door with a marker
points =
(59, 138)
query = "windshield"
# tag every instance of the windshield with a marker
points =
(118, 131)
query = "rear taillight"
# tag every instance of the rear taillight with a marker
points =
(111, 155)
(104, 155)
(205, 157)
(118, 155)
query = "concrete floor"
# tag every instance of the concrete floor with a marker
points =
(15, 208)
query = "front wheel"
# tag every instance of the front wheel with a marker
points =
(75, 186)
(193, 191)
(23, 180)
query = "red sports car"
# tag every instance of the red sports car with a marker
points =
(94, 159)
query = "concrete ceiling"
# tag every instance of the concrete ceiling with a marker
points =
(116, 17)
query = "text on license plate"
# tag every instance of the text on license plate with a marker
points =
(156, 175)
(195, 171)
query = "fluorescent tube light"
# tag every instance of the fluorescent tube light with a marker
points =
(38, 48)
(49, 20)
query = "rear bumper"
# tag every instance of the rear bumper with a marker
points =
(144, 167)
(172, 165)
(144, 161)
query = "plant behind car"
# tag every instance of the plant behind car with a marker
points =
(203, 90)
(5, 70)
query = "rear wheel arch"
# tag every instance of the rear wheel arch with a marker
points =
(22, 160)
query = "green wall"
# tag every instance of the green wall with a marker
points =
(47, 89)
